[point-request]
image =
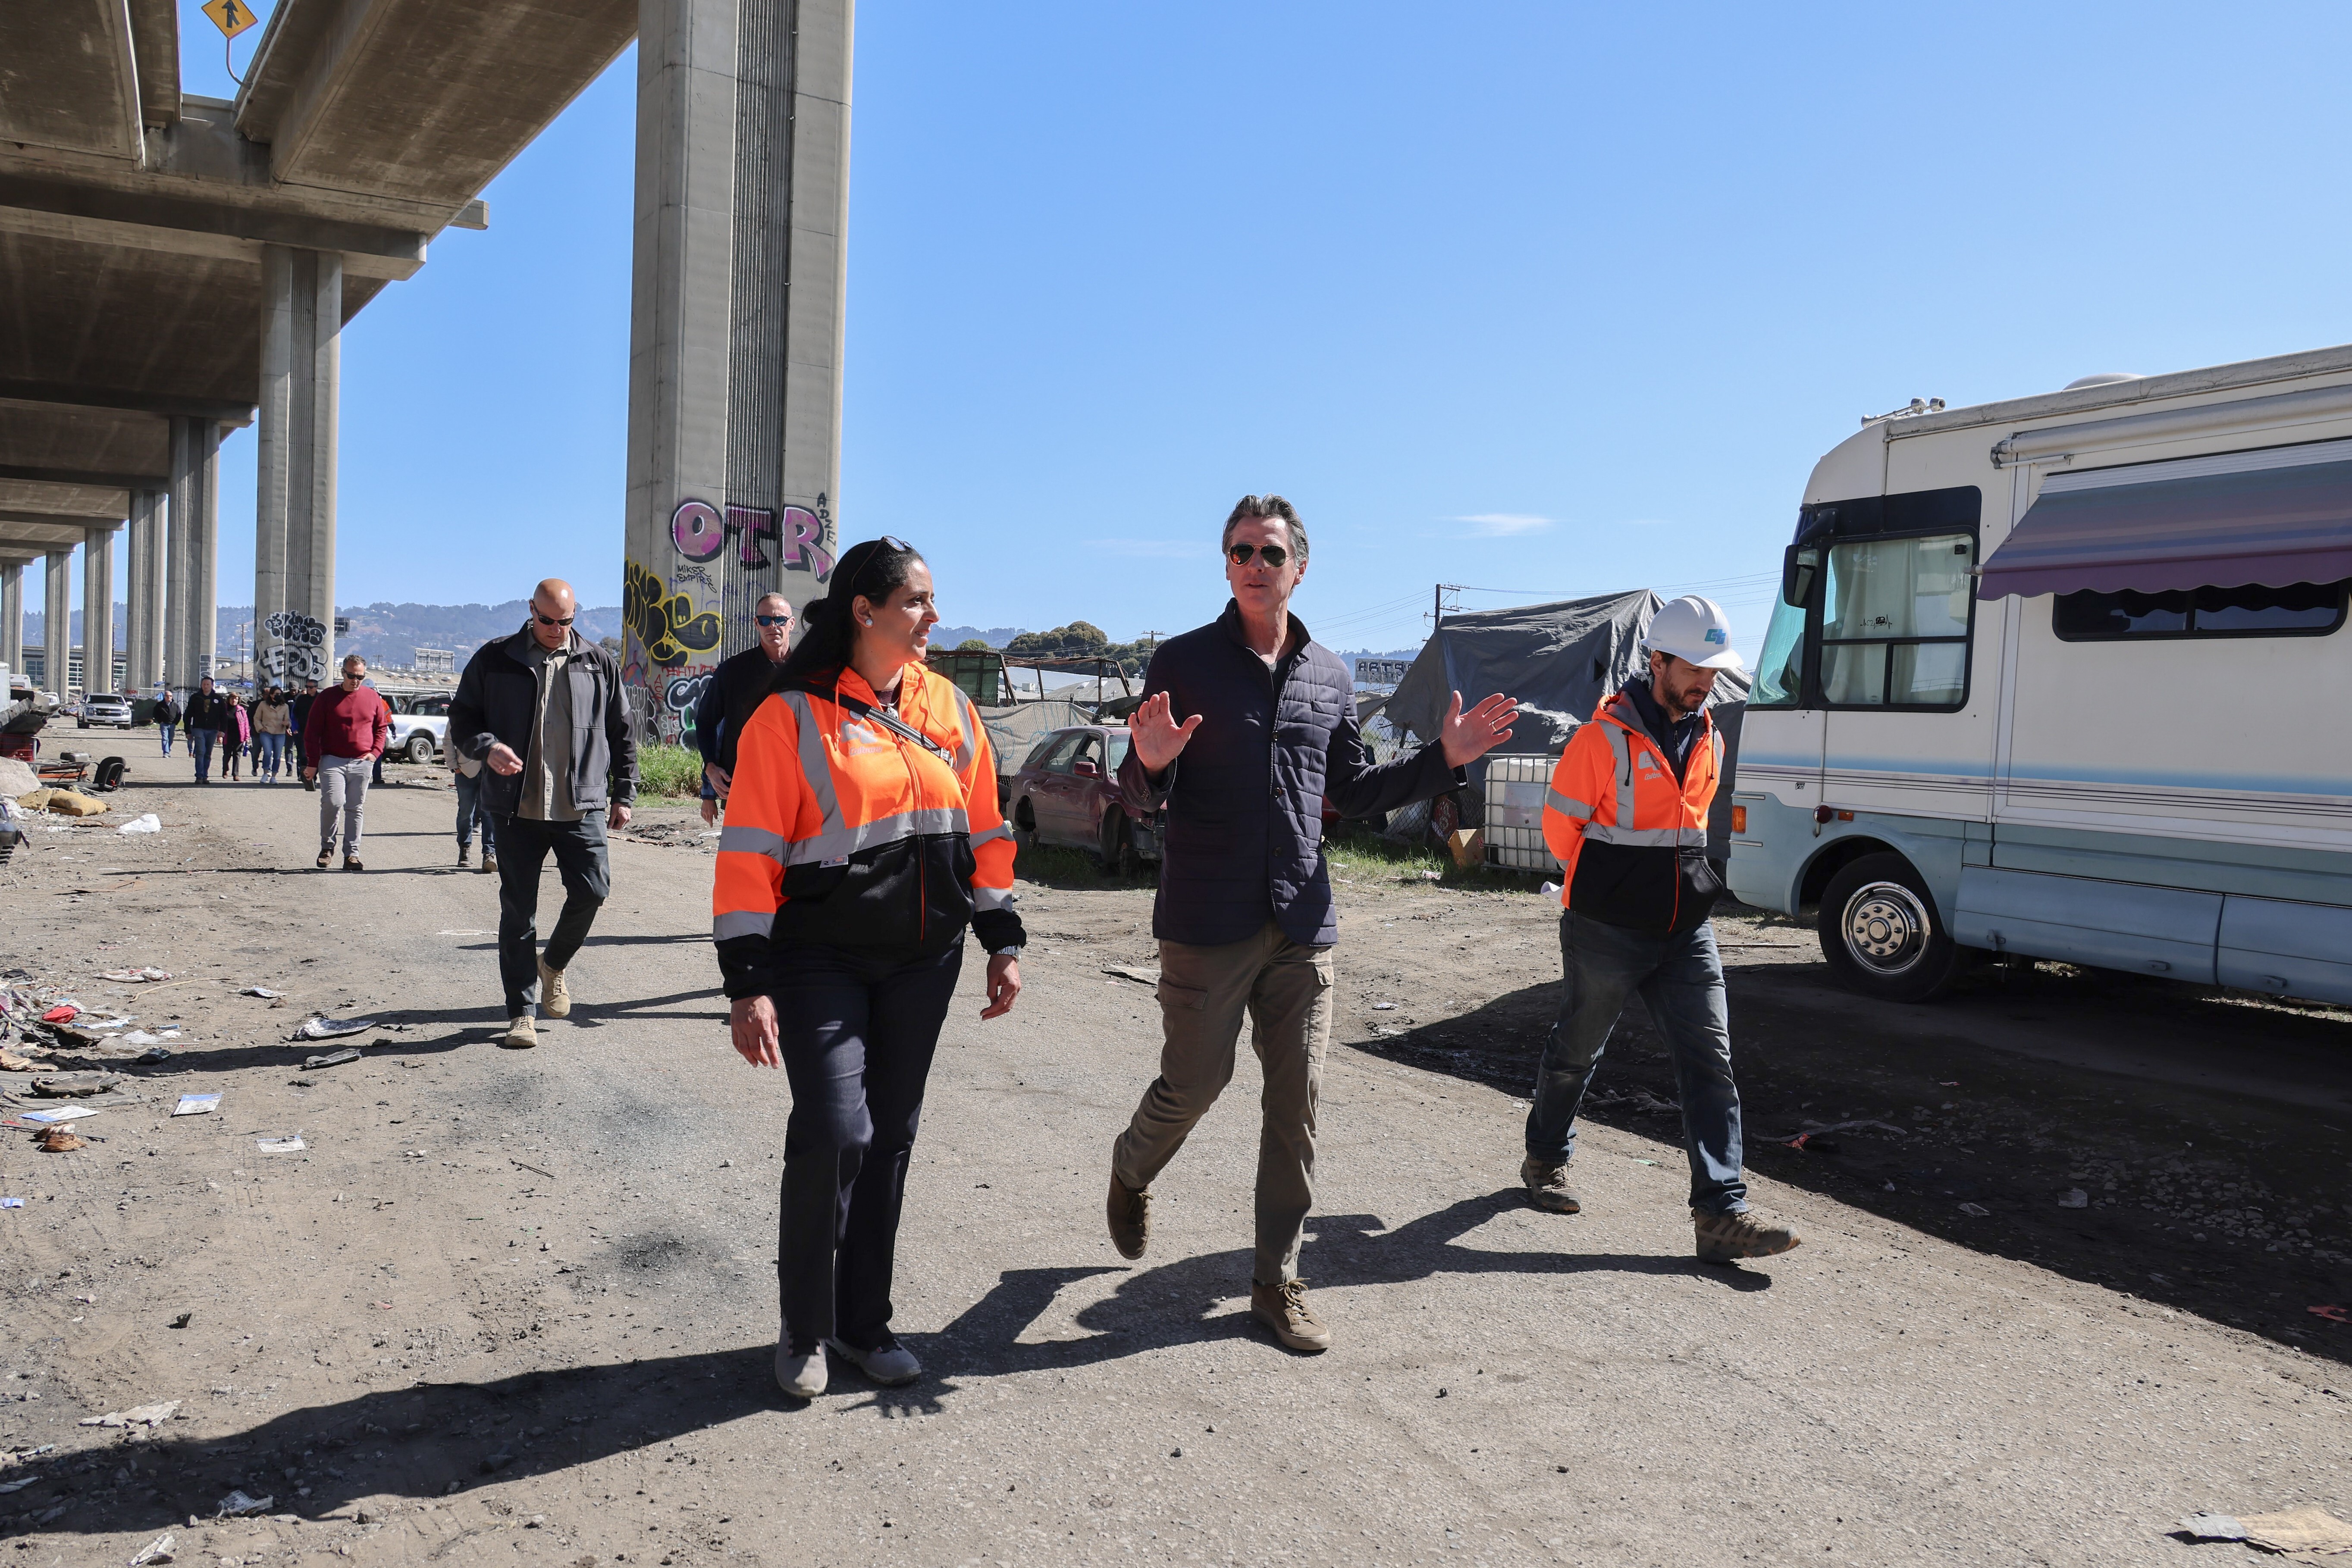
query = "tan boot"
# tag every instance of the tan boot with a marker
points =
(1747, 1234)
(554, 997)
(1547, 1187)
(521, 1034)
(1129, 1211)
(1283, 1308)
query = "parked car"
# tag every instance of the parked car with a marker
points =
(1067, 792)
(419, 735)
(106, 709)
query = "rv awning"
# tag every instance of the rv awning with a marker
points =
(2270, 517)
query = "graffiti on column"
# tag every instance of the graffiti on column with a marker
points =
(699, 532)
(680, 698)
(297, 650)
(666, 624)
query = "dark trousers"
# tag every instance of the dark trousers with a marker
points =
(856, 1029)
(582, 859)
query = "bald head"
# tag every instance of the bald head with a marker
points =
(552, 605)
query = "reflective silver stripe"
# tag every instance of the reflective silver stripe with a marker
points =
(840, 843)
(965, 722)
(1718, 736)
(1621, 747)
(743, 923)
(747, 840)
(1553, 800)
(1602, 832)
(991, 898)
(816, 767)
(1002, 831)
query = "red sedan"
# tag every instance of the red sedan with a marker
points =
(1067, 792)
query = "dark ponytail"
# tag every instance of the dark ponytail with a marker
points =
(874, 569)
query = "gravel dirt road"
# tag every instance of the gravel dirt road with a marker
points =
(519, 1306)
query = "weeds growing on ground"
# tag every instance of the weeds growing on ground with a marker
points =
(669, 771)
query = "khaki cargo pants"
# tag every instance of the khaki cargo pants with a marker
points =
(1286, 989)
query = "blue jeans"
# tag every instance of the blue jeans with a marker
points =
(167, 737)
(470, 811)
(1681, 982)
(271, 752)
(200, 746)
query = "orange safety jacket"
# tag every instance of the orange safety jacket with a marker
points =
(843, 831)
(1630, 837)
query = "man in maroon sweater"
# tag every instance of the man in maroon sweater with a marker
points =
(347, 730)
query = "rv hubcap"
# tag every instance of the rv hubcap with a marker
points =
(1885, 926)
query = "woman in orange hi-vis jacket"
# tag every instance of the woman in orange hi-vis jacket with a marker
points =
(862, 836)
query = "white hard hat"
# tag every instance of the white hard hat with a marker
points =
(1695, 630)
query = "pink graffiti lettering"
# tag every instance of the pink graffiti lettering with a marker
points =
(696, 531)
(752, 523)
(803, 547)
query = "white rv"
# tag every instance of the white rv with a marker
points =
(2068, 676)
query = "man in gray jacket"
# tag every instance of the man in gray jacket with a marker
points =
(544, 709)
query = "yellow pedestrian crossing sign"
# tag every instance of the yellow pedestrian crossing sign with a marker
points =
(231, 16)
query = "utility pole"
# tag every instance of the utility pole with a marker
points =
(1438, 606)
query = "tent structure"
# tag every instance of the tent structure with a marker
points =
(1559, 661)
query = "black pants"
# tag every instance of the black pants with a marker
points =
(857, 1028)
(581, 859)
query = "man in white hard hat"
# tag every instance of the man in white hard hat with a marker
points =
(1626, 816)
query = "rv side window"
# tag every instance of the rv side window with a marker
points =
(1895, 621)
(2299, 610)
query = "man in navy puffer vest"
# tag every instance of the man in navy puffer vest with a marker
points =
(1247, 725)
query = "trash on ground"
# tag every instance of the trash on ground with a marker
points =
(156, 1550)
(1432, 877)
(57, 1141)
(1468, 847)
(324, 1028)
(2074, 1198)
(2331, 1311)
(1140, 976)
(12, 1202)
(2311, 1529)
(333, 1059)
(136, 976)
(145, 822)
(149, 1415)
(259, 991)
(236, 1505)
(196, 1104)
(1979, 1209)
(64, 1012)
(2211, 1527)
(1384, 1006)
(183, 1319)
(1816, 1144)
(75, 1086)
(56, 1113)
(279, 1146)
(1548, 889)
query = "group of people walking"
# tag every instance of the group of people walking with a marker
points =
(258, 737)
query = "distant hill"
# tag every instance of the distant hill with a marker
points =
(995, 636)
(382, 633)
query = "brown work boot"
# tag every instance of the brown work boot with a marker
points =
(1722, 1237)
(554, 995)
(521, 1034)
(1130, 1211)
(1547, 1185)
(1283, 1308)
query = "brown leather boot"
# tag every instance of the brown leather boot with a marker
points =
(1723, 1238)
(1129, 1212)
(1547, 1187)
(1283, 1308)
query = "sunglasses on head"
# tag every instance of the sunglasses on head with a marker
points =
(785, 620)
(1274, 556)
(550, 620)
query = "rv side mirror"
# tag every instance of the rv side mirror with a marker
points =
(1799, 566)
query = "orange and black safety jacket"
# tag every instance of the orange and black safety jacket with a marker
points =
(844, 831)
(1630, 835)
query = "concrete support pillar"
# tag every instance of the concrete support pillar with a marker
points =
(735, 329)
(191, 584)
(12, 617)
(294, 526)
(96, 610)
(57, 621)
(142, 566)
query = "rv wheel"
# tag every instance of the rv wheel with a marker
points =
(1881, 934)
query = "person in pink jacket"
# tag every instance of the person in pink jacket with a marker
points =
(236, 738)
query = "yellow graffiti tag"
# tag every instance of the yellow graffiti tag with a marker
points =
(666, 622)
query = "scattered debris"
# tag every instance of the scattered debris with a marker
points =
(552, 1176)
(1468, 847)
(148, 1416)
(57, 1141)
(1140, 976)
(197, 1104)
(64, 1012)
(12, 1202)
(75, 1086)
(1384, 1006)
(324, 1028)
(1815, 1143)
(259, 991)
(1548, 890)
(136, 976)
(2311, 1529)
(145, 822)
(2211, 1527)
(236, 1505)
(158, 1550)
(2332, 1312)
(279, 1145)
(2074, 1198)
(183, 1319)
(50, 1118)
(333, 1059)
(1979, 1209)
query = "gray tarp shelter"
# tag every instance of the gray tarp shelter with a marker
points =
(1559, 661)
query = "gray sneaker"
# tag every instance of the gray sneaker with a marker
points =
(889, 1364)
(1547, 1185)
(1722, 1237)
(799, 1368)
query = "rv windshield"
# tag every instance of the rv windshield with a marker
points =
(1780, 672)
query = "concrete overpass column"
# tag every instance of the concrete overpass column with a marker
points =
(735, 329)
(12, 617)
(142, 566)
(191, 588)
(96, 610)
(57, 621)
(294, 534)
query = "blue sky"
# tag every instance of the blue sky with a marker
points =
(1544, 298)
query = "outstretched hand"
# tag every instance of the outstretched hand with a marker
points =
(1468, 737)
(1155, 734)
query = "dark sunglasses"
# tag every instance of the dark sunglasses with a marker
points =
(773, 620)
(896, 543)
(550, 620)
(1274, 556)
